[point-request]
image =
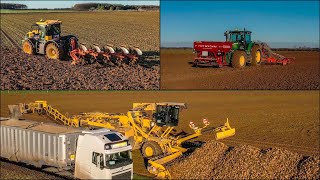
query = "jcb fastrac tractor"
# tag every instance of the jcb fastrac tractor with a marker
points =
(238, 50)
(45, 38)
(149, 127)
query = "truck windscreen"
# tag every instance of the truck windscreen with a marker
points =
(118, 159)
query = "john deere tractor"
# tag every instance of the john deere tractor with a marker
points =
(238, 50)
(45, 38)
(244, 49)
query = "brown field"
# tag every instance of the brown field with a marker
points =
(176, 73)
(285, 119)
(23, 72)
(20, 71)
(117, 28)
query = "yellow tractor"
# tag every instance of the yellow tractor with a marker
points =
(45, 38)
(149, 127)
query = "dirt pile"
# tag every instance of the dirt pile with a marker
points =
(218, 161)
(21, 71)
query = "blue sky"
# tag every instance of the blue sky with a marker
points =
(284, 23)
(67, 4)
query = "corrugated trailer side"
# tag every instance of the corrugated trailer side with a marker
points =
(38, 144)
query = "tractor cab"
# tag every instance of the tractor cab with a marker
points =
(45, 30)
(239, 38)
(167, 114)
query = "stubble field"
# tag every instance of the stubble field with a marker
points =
(118, 28)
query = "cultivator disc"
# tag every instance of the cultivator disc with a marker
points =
(105, 56)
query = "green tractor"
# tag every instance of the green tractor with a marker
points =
(45, 38)
(238, 50)
(246, 50)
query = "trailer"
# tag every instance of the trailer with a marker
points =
(85, 154)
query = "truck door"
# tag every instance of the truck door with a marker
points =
(98, 170)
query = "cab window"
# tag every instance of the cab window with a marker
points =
(95, 157)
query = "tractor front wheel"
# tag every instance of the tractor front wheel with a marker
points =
(256, 55)
(151, 149)
(239, 59)
(28, 48)
(53, 52)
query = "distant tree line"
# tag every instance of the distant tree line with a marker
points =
(111, 7)
(13, 6)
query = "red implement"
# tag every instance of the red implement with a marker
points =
(211, 53)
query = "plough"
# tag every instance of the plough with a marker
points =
(105, 55)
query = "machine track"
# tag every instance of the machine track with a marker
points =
(16, 45)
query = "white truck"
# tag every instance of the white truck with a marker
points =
(85, 154)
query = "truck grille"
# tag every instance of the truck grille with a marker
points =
(126, 175)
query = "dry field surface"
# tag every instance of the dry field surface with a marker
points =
(22, 71)
(278, 119)
(176, 73)
(117, 28)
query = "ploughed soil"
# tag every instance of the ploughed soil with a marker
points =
(281, 120)
(21, 71)
(177, 73)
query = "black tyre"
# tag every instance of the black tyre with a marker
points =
(239, 59)
(256, 55)
(151, 149)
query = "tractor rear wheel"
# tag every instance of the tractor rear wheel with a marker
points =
(28, 48)
(151, 149)
(53, 52)
(239, 59)
(256, 55)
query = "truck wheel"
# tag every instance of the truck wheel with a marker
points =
(151, 149)
(256, 55)
(239, 59)
(53, 52)
(28, 48)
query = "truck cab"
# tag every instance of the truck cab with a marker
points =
(103, 154)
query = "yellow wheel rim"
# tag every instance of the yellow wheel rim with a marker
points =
(52, 53)
(258, 56)
(26, 48)
(241, 60)
(149, 151)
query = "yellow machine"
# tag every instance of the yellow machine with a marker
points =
(148, 126)
(45, 38)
